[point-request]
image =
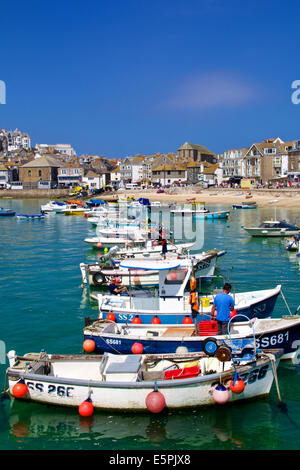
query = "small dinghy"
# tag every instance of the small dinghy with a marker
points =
(6, 212)
(140, 382)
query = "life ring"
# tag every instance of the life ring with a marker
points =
(210, 346)
(98, 279)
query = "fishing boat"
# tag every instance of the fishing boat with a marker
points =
(31, 216)
(140, 382)
(74, 209)
(245, 205)
(101, 274)
(7, 212)
(213, 215)
(108, 336)
(172, 303)
(273, 228)
(149, 249)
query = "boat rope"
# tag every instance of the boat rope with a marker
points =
(273, 364)
(286, 304)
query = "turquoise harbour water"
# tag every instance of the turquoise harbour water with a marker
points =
(43, 307)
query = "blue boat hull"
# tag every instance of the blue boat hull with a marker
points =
(285, 338)
(213, 215)
(7, 213)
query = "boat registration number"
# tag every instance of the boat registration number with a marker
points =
(59, 390)
(267, 341)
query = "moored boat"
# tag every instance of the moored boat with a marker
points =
(101, 274)
(172, 302)
(128, 382)
(273, 228)
(31, 216)
(6, 212)
(269, 333)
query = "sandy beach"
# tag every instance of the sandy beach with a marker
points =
(286, 198)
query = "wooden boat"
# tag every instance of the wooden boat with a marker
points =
(101, 274)
(140, 382)
(172, 302)
(269, 333)
(6, 212)
(273, 228)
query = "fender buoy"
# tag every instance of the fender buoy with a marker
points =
(237, 385)
(136, 279)
(111, 317)
(137, 348)
(89, 345)
(98, 279)
(220, 394)
(20, 389)
(155, 402)
(86, 408)
(187, 320)
(210, 346)
(155, 320)
(99, 245)
(136, 320)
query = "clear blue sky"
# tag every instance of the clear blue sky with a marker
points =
(121, 77)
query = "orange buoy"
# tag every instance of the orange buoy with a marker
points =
(187, 320)
(137, 348)
(111, 317)
(89, 345)
(155, 402)
(136, 279)
(173, 276)
(136, 320)
(20, 389)
(220, 394)
(155, 320)
(86, 408)
(237, 385)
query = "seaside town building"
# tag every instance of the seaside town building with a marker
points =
(70, 174)
(40, 173)
(14, 140)
(195, 153)
(65, 150)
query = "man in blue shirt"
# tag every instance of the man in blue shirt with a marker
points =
(224, 304)
(114, 289)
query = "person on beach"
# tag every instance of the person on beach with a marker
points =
(114, 289)
(224, 304)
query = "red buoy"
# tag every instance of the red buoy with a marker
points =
(89, 345)
(237, 386)
(86, 408)
(173, 276)
(155, 402)
(117, 280)
(155, 320)
(20, 389)
(136, 279)
(187, 320)
(99, 245)
(111, 317)
(137, 348)
(136, 320)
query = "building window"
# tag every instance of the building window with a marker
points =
(29, 172)
(40, 172)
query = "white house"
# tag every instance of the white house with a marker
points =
(94, 180)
